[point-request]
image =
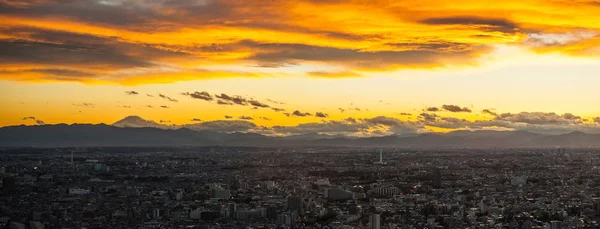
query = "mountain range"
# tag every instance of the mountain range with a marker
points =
(135, 131)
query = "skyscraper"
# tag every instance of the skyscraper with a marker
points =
(295, 203)
(374, 221)
(437, 178)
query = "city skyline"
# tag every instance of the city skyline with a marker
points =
(361, 68)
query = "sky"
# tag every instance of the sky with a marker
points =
(359, 68)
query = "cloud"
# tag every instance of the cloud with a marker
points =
(196, 120)
(149, 106)
(487, 24)
(427, 117)
(277, 109)
(275, 101)
(224, 126)
(489, 112)
(238, 100)
(132, 92)
(246, 117)
(84, 105)
(37, 121)
(405, 114)
(199, 95)
(341, 110)
(265, 118)
(433, 109)
(167, 98)
(341, 74)
(103, 40)
(149, 95)
(321, 115)
(165, 121)
(454, 108)
(221, 102)
(164, 106)
(228, 117)
(301, 114)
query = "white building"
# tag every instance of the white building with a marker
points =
(78, 191)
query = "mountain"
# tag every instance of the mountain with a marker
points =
(87, 135)
(138, 122)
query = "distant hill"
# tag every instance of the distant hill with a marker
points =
(87, 135)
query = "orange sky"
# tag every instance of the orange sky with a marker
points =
(75, 61)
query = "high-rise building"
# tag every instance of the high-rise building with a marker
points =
(231, 210)
(374, 221)
(9, 184)
(437, 178)
(295, 203)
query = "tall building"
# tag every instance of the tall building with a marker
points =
(295, 203)
(374, 221)
(231, 210)
(437, 178)
(9, 184)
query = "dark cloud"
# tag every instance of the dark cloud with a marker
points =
(490, 112)
(405, 114)
(167, 98)
(301, 114)
(64, 49)
(246, 117)
(149, 95)
(196, 120)
(238, 100)
(350, 120)
(341, 110)
(275, 101)
(132, 92)
(427, 117)
(149, 106)
(277, 109)
(321, 115)
(455, 108)
(165, 121)
(265, 118)
(199, 95)
(228, 117)
(164, 106)
(433, 109)
(125, 106)
(221, 102)
(84, 105)
(257, 104)
(489, 24)
(285, 53)
(37, 121)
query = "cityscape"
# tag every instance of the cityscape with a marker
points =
(304, 187)
(299, 114)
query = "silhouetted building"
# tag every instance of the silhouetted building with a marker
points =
(295, 203)
(437, 178)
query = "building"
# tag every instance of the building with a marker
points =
(337, 194)
(437, 178)
(388, 191)
(220, 193)
(518, 181)
(374, 221)
(295, 203)
(231, 210)
(78, 191)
